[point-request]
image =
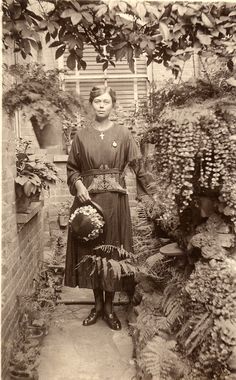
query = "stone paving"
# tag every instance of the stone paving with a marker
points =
(73, 352)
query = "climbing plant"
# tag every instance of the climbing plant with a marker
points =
(166, 32)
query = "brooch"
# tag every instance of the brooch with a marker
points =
(114, 144)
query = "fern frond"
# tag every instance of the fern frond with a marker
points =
(127, 268)
(109, 249)
(199, 333)
(115, 267)
(99, 264)
(104, 267)
(159, 358)
(87, 259)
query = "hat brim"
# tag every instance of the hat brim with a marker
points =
(76, 230)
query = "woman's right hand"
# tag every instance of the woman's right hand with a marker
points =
(82, 192)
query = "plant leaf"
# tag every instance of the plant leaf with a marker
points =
(60, 51)
(71, 62)
(141, 10)
(21, 180)
(164, 30)
(101, 11)
(123, 6)
(88, 17)
(76, 18)
(205, 39)
(206, 21)
(56, 43)
(104, 267)
(68, 13)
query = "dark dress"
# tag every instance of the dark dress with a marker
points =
(99, 161)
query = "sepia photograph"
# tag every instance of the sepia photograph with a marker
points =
(118, 255)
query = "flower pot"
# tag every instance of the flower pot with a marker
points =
(36, 197)
(207, 206)
(68, 148)
(35, 334)
(18, 374)
(50, 135)
(63, 221)
(172, 250)
(23, 204)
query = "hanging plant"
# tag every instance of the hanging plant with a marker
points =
(195, 153)
(38, 93)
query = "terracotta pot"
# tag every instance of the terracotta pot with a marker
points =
(23, 204)
(68, 148)
(172, 250)
(18, 374)
(35, 333)
(36, 197)
(63, 221)
(50, 135)
(207, 206)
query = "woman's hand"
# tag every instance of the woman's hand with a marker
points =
(82, 192)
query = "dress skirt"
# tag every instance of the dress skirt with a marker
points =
(118, 232)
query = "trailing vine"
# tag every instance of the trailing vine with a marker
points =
(195, 154)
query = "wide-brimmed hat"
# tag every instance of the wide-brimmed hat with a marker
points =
(87, 222)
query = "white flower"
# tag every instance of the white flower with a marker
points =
(96, 219)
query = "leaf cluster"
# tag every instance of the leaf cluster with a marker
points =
(35, 171)
(165, 32)
(196, 153)
(161, 360)
(38, 92)
(34, 310)
(109, 263)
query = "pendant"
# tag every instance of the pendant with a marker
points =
(114, 144)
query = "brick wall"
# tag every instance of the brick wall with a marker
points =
(21, 249)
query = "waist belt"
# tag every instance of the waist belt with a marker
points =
(104, 180)
(94, 172)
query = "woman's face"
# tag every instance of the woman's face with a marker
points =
(102, 106)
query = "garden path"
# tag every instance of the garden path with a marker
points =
(71, 351)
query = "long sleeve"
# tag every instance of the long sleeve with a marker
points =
(73, 166)
(145, 180)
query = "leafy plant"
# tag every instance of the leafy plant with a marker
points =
(57, 256)
(167, 33)
(33, 174)
(161, 361)
(195, 154)
(39, 94)
(104, 263)
(24, 360)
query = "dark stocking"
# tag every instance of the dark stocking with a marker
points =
(109, 296)
(99, 301)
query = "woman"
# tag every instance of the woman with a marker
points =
(98, 157)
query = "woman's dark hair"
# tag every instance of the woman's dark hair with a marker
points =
(100, 90)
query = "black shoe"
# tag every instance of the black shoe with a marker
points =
(112, 321)
(92, 317)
